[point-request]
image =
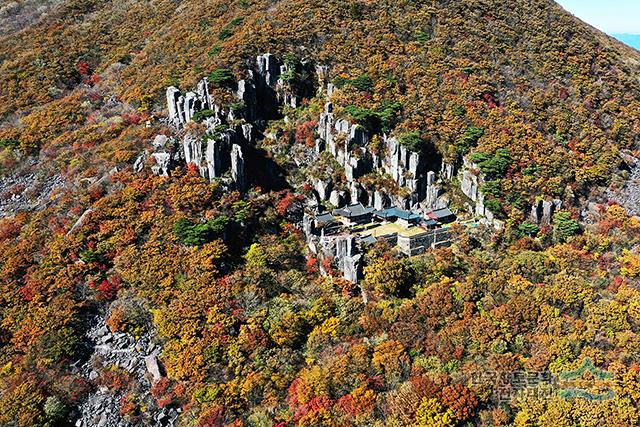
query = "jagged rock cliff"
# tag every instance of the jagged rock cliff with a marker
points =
(231, 133)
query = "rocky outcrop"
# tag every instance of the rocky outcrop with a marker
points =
(80, 222)
(268, 68)
(323, 188)
(230, 131)
(345, 253)
(138, 357)
(627, 194)
(447, 171)
(237, 166)
(350, 145)
(542, 212)
(27, 192)
(269, 85)
(470, 184)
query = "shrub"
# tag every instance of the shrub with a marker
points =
(382, 119)
(388, 115)
(565, 226)
(528, 229)
(364, 116)
(492, 188)
(215, 51)
(362, 83)
(422, 36)
(90, 256)
(459, 111)
(412, 141)
(492, 166)
(9, 143)
(221, 77)
(228, 29)
(288, 76)
(202, 115)
(197, 234)
(55, 410)
(237, 106)
(494, 206)
(468, 140)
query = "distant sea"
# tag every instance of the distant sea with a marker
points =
(632, 40)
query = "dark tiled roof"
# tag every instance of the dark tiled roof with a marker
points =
(325, 217)
(353, 211)
(369, 240)
(442, 213)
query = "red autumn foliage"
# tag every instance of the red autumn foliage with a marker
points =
(131, 118)
(312, 264)
(108, 288)
(83, 68)
(305, 133)
(460, 400)
(287, 201)
(213, 417)
(192, 169)
(27, 292)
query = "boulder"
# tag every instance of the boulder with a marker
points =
(163, 164)
(140, 161)
(151, 362)
(160, 141)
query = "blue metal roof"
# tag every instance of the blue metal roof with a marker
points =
(395, 212)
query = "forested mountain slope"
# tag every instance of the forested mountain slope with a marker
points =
(133, 299)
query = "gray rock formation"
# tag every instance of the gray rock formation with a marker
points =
(446, 171)
(627, 194)
(237, 167)
(345, 253)
(268, 69)
(138, 357)
(140, 161)
(163, 164)
(542, 212)
(153, 367)
(432, 191)
(380, 200)
(323, 188)
(174, 104)
(470, 185)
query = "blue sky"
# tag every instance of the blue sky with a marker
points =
(610, 16)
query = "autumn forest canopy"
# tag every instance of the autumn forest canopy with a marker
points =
(134, 298)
